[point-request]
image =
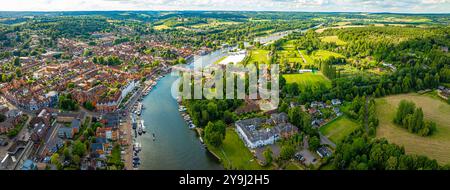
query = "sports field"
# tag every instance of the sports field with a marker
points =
(436, 146)
(307, 79)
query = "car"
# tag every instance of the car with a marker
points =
(3, 143)
(299, 157)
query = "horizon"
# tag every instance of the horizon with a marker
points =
(339, 6)
(281, 11)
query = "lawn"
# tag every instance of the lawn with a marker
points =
(307, 79)
(436, 146)
(324, 54)
(293, 165)
(234, 154)
(333, 39)
(261, 56)
(338, 129)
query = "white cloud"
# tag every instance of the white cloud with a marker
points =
(257, 5)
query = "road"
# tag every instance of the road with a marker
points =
(325, 140)
(126, 131)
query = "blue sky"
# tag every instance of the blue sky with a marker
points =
(410, 6)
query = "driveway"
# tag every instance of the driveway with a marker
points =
(309, 157)
(275, 152)
(325, 140)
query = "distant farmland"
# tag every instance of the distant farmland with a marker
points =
(436, 146)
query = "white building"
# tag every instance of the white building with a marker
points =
(128, 88)
(255, 136)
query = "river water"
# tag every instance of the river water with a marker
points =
(176, 147)
(278, 35)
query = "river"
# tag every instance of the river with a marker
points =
(176, 147)
(278, 35)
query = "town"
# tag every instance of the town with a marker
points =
(95, 91)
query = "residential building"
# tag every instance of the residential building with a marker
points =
(258, 132)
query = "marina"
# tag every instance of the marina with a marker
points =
(169, 143)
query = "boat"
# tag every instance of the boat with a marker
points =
(143, 127)
(153, 136)
(182, 108)
(140, 131)
(133, 121)
(137, 147)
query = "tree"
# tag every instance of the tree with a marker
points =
(295, 116)
(268, 155)
(215, 133)
(391, 163)
(79, 148)
(314, 143)
(287, 152)
(283, 107)
(67, 154)
(66, 102)
(89, 106)
(412, 118)
(228, 117)
(2, 118)
(404, 108)
(16, 61)
(76, 159)
(54, 159)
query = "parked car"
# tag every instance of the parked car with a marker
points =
(3, 143)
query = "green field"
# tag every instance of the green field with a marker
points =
(333, 39)
(307, 79)
(161, 27)
(261, 56)
(289, 54)
(234, 154)
(338, 129)
(213, 23)
(309, 60)
(436, 146)
(289, 46)
(293, 165)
